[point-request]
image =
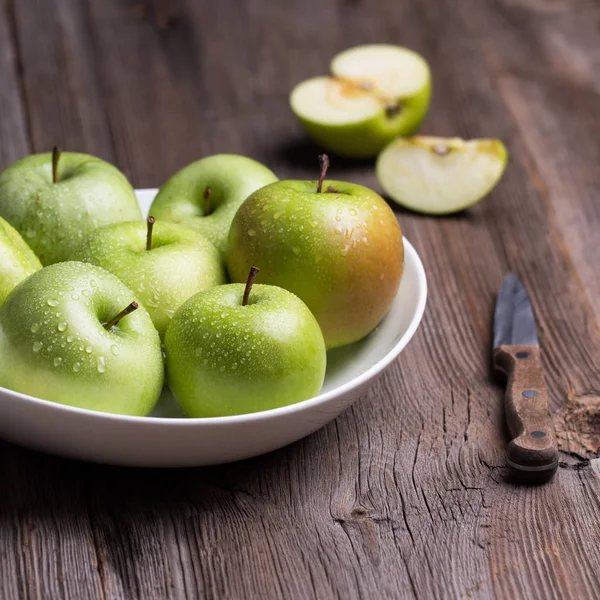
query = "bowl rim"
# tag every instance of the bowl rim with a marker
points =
(273, 413)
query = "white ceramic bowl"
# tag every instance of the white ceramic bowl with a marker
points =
(167, 439)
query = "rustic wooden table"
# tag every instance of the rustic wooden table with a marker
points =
(406, 494)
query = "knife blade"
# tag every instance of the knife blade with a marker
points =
(532, 452)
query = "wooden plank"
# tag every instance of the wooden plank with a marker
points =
(556, 111)
(62, 89)
(13, 121)
(405, 495)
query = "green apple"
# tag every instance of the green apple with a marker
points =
(377, 92)
(336, 245)
(17, 260)
(163, 263)
(55, 200)
(237, 349)
(206, 194)
(436, 175)
(66, 336)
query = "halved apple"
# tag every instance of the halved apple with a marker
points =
(436, 175)
(377, 92)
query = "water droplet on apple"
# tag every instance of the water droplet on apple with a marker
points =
(219, 334)
(222, 369)
(53, 302)
(381, 221)
(251, 232)
(234, 366)
(101, 364)
(93, 282)
(276, 215)
(75, 296)
(35, 327)
(37, 346)
(85, 293)
(198, 351)
(76, 367)
(70, 339)
(246, 336)
(353, 212)
(88, 349)
(62, 326)
(338, 218)
(57, 361)
(115, 350)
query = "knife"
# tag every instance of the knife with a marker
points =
(532, 452)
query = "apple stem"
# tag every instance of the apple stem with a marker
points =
(128, 309)
(324, 164)
(251, 277)
(55, 157)
(207, 201)
(151, 221)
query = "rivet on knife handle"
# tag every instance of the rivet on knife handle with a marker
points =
(533, 449)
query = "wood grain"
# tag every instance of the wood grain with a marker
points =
(405, 495)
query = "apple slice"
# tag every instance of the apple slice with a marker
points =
(377, 92)
(436, 175)
(391, 72)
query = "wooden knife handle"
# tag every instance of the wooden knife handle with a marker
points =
(533, 451)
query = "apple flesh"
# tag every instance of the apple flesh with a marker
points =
(227, 358)
(377, 92)
(53, 343)
(436, 175)
(178, 264)
(340, 251)
(55, 216)
(206, 194)
(17, 260)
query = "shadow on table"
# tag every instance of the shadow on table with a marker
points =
(300, 154)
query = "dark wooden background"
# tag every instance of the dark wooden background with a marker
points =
(406, 494)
